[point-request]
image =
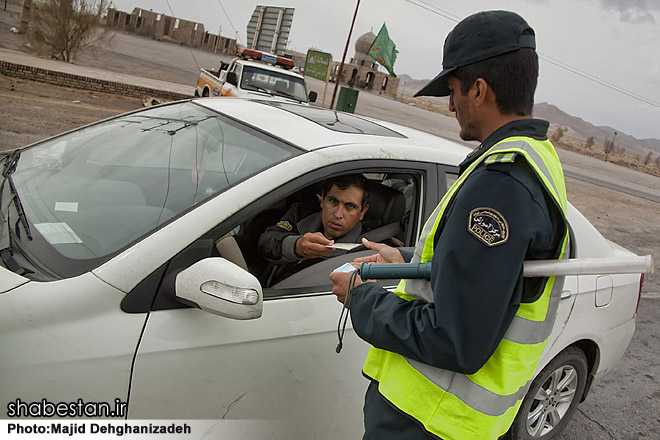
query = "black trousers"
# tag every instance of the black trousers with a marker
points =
(383, 421)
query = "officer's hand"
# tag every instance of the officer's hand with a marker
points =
(313, 245)
(386, 254)
(340, 282)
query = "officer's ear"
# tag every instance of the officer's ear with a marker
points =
(480, 90)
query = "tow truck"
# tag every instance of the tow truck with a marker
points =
(255, 73)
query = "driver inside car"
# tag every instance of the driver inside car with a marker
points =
(305, 234)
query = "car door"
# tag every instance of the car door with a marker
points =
(66, 341)
(280, 367)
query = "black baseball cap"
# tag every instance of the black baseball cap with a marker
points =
(478, 37)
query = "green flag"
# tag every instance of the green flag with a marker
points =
(384, 50)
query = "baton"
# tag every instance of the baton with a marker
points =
(535, 268)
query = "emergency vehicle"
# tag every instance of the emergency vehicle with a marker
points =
(255, 73)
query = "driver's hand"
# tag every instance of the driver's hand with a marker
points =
(386, 254)
(313, 245)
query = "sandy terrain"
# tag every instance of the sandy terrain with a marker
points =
(33, 111)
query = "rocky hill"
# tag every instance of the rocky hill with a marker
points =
(581, 129)
(577, 127)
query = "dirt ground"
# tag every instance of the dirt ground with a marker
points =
(33, 111)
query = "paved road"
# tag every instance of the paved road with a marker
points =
(614, 186)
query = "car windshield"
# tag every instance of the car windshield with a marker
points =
(94, 191)
(274, 83)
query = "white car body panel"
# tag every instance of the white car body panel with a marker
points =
(9, 280)
(272, 368)
(70, 337)
(586, 321)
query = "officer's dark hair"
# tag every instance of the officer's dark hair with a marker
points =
(343, 182)
(512, 76)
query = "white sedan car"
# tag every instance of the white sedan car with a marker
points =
(130, 272)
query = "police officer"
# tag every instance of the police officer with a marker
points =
(452, 357)
(308, 230)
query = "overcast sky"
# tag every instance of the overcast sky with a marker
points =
(615, 43)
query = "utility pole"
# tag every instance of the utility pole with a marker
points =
(341, 65)
(25, 16)
(215, 49)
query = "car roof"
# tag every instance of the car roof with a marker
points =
(311, 127)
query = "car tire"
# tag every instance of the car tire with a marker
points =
(552, 398)
(205, 93)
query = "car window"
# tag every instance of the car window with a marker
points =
(92, 192)
(273, 82)
(394, 207)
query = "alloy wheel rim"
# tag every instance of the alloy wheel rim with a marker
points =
(552, 401)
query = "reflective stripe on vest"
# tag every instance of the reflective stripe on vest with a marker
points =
(481, 405)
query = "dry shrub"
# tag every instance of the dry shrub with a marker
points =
(62, 28)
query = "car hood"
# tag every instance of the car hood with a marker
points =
(10, 280)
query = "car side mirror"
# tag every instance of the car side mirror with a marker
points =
(222, 288)
(232, 78)
(312, 96)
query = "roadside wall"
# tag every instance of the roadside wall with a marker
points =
(168, 28)
(85, 83)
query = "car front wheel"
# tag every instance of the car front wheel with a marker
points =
(552, 398)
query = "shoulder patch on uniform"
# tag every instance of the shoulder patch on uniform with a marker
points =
(489, 226)
(285, 225)
(494, 158)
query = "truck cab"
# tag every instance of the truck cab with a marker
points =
(253, 74)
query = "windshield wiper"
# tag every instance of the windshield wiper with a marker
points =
(10, 167)
(288, 95)
(257, 89)
(9, 195)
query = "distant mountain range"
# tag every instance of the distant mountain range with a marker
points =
(577, 127)
(581, 129)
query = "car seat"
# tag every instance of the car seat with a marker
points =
(386, 216)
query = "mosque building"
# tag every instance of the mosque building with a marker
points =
(362, 71)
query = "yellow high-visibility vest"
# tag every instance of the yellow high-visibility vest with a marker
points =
(482, 405)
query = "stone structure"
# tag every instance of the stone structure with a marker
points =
(164, 27)
(86, 83)
(362, 72)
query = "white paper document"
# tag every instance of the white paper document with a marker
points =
(346, 267)
(344, 246)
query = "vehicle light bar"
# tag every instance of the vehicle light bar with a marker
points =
(258, 55)
(537, 268)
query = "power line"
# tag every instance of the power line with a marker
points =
(572, 69)
(432, 8)
(229, 20)
(192, 54)
(597, 80)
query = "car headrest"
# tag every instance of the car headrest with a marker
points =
(281, 86)
(386, 205)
